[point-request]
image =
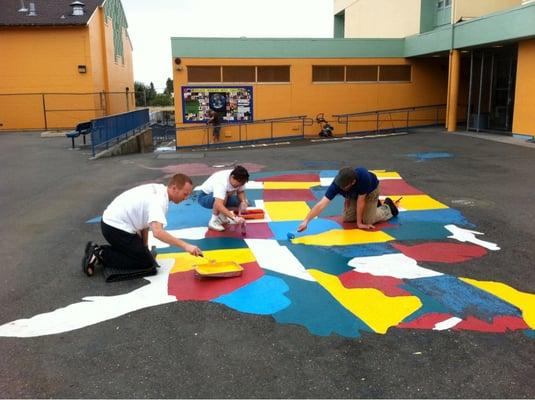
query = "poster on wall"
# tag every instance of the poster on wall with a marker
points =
(234, 104)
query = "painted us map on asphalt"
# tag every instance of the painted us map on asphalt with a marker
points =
(331, 279)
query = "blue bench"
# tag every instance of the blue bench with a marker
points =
(83, 128)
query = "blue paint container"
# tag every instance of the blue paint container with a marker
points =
(290, 236)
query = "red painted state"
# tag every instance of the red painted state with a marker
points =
(291, 178)
(184, 286)
(397, 186)
(426, 321)
(499, 324)
(254, 230)
(288, 195)
(386, 284)
(444, 252)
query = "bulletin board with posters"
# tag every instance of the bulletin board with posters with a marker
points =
(233, 103)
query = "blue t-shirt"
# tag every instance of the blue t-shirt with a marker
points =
(366, 183)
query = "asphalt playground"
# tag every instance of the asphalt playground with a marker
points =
(194, 349)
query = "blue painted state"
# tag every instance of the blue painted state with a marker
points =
(334, 208)
(254, 194)
(429, 304)
(530, 333)
(462, 299)
(95, 220)
(315, 309)
(318, 191)
(187, 214)
(280, 229)
(326, 173)
(418, 231)
(430, 155)
(264, 296)
(364, 250)
(322, 258)
(444, 216)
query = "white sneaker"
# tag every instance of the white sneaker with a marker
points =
(215, 224)
(226, 220)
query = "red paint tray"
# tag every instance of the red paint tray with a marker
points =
(253, 213)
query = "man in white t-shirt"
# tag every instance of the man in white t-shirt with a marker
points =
(126, 223)
(222, 190)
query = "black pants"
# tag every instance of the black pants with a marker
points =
(126, 250)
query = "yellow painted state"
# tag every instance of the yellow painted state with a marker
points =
(186, 262)
(524, 301)
(287, 210)
(381, 173)
(290, 185)
(377, 310)
(418, 202)
(343, 237)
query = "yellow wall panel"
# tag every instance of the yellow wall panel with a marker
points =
(525, 89)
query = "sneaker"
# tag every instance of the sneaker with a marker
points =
(216, 225)
(393, 209)
(90, 258)
(226, 220)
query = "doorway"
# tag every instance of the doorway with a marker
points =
(491, 89)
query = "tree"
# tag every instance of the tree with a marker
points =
(151, 93)
(168, 87)
(141, 94)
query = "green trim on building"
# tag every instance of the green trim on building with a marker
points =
(430, 42)
(339, 25)
(285, 48)
(427, 15)
(113, 9)
(511, 25)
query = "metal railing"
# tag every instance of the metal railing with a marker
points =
(21, 111)
(111, 130)
(383, 121)
(264, 130)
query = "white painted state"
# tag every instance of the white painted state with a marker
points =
(326, 181)
(196, 233)
(396, 265)
(447, 324)
(254, 185)
(94, 309)
(466, 235)
(271, 255)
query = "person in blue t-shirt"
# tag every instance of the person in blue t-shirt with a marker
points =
(360, 188)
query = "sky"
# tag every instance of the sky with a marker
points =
(151, 24)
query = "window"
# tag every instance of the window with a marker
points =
(395, 73)
(328, 73)
(273, 73)
(440, 4)
(361, 73)
(447, 3)
(239, 74)
(204, 74)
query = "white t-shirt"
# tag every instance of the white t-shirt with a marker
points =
(219, 185)
(133, 210)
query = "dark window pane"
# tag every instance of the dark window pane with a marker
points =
(238, 74)
(204, 74)
(327, 73)
(361, 73)
(273, 73)
(395, 73)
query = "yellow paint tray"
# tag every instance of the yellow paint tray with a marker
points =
(225, 269)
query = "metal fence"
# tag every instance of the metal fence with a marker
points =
(258, 131)
(391, 120)
(107, 131)
(44, 111)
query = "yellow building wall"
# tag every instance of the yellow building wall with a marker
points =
(476, 8)
(37, 60)
(523, 121)
(43, 60)
(382, 18)
(304, 97)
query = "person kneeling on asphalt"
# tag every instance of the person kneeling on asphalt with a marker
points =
(222, 190)
(360, 188)
(126, 223)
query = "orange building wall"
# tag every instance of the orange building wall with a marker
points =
(304, 97)
(45, 60)
(523, 121)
